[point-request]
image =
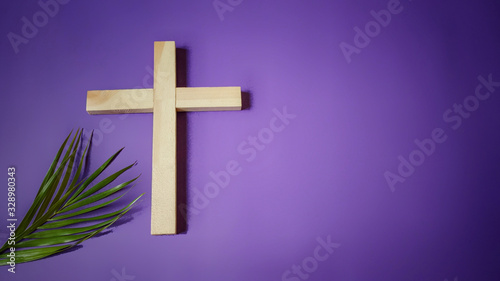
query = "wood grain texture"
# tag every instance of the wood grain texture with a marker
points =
(208, 99)
(141, 100)
(120, 101)
(164, 178)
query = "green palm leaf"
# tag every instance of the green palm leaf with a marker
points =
(64, 200)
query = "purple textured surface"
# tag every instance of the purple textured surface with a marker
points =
(359, 101)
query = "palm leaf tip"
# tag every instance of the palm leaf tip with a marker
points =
(45, 230)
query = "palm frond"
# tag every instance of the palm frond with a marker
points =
(64, 200)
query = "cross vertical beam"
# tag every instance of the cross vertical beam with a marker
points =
(164, 178)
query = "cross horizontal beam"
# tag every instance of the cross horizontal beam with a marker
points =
(141, 100)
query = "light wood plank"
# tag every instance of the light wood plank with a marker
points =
(208, 99)
(164, 179)
(141, 100)
(120, 101)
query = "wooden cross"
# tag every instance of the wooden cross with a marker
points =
(163, 101)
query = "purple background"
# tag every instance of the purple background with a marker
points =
(322, 176)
